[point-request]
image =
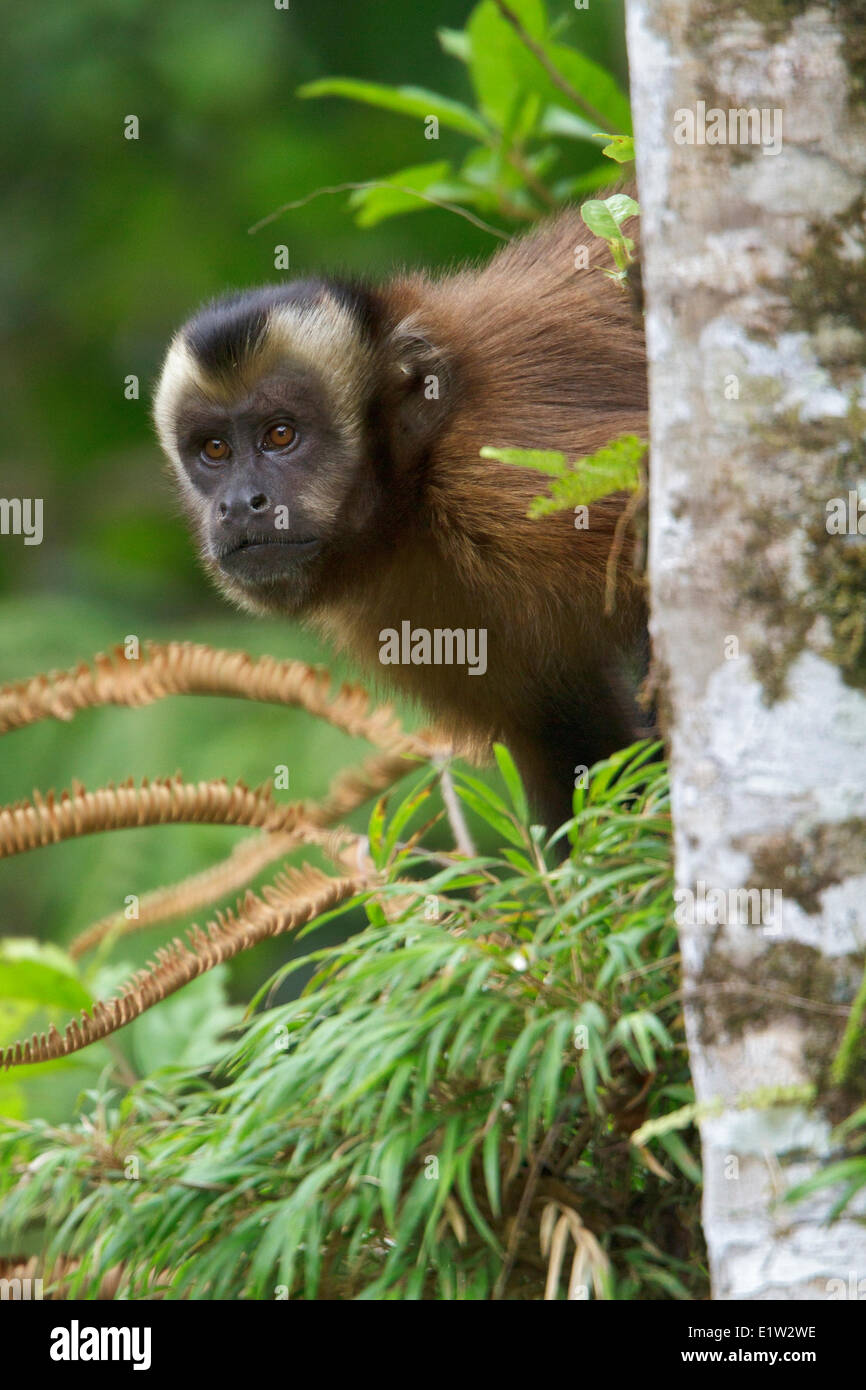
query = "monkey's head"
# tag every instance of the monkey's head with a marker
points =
(296, 419)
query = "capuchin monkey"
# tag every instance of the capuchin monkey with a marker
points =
(325, 437)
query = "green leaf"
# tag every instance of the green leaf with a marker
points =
(36, 975)
(558, 120)
(620, 149)
(376, 833)
(519, 1054)
(594, 83)
(454, 42)
(502, 68)
(473, 1211)
(407, 101)
(547, 461)
(488, 175)
(39, 986)
(185, 1029)
(521, 863)
(482, 807)
(489, 806)
(548, 1074)
(613, 468)
(851, 1171)
(633, 1031)
(389, 198)
(682, 1156)
(391, 1168)
(622, 206)
(406, 810)
(603, 216)
(656, 1274)
(512, 780)
(490, 1158)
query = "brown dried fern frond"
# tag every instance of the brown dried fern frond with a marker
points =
(296, 897)
(247, 859)
(27, 825)
(189, 668)
(349, 789)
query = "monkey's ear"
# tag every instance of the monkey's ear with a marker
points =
(422, 379)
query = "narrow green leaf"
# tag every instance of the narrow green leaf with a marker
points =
(407, 101)
(454, 42)
(682, 1156)
(488, 813)
(546, 461)
(491, 1163)
(511, 778)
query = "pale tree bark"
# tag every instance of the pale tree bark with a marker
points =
(755, 288)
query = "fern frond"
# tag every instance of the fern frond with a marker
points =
(189, 668)
(349, 789)
(295, 898)
(196, 891)
(27, 825)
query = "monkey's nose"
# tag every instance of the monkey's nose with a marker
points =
(234, 509)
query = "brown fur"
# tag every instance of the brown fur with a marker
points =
(545, 356)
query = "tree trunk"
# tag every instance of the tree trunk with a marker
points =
(755, 286)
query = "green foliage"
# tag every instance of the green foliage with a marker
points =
(621, 147)
(41, 985)
(613, 468)
(604, 218)
(851, 1047)
(847, 1174)
(409, 101)
(500, 1022)
(526, 87)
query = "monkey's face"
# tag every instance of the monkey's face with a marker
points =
(259, 410)
(266, 478)
(293, 418)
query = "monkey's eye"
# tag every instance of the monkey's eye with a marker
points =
(279, 436)
(215, 450)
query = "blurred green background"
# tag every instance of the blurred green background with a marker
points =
(108, 244)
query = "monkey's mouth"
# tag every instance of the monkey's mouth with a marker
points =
(257, 558)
